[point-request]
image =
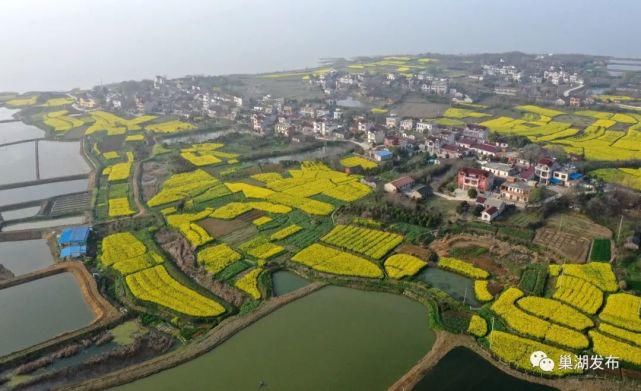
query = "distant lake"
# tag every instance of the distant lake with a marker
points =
(7, 114)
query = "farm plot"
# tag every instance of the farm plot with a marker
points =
(155, 285)
(207, 154)
(147, 278)
(601, 250)
(329, 260)
(115, 125)
(533, 326)
(370, 242)
(403, 265)
(570, 246)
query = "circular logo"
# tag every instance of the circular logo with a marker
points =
(546, 364)
(536, 357)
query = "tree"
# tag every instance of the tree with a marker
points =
(531, 152)
(478, 210)
(472, 193)
(462, 207)
(558, 152)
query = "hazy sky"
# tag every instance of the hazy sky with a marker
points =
(46, 44)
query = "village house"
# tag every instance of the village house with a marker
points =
(484, 150)
(407, 124)
(566, 176)
(575, 101)
(423, 127)
(475, 178)
(375, 136)
(516, 191)
(364, 126)
(477, 132)
(451, 151)
(383, 155)
(419, 192)
(391, 121)
(500, 170)
(544, 169)
(400, 185)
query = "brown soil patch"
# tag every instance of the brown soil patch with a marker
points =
(417, 251)
(217, 228)
(153, 174)
(574, 248)
(111, 143)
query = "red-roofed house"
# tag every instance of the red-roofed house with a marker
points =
(400, 185)
(475, 178)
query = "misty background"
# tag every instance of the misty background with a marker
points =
(59, 45)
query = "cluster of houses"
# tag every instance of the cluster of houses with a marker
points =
(499, 184)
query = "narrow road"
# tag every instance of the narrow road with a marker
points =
(137, 196)
(567, 93)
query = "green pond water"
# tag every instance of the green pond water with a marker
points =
(284, 282)
(457, 286)
(461, 369)
(334, 339)
(39, 310)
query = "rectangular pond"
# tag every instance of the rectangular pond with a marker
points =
(41, 192)
(40, 310)
(25, 256)
(14, 214)
(18, 163)
(60, 158)
(11, 132)
(49, 223)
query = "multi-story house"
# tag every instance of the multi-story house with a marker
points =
(475, 178)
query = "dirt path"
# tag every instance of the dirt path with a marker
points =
(136, 185)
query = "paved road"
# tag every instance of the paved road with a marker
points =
(567, 93)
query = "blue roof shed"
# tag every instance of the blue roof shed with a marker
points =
(73, 252)
(74, 236)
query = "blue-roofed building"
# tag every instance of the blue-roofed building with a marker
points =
(73, 252)
(383, 155)
(73, 242)
(74, 236)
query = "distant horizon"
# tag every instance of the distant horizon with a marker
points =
(150, 78)
(74, 44)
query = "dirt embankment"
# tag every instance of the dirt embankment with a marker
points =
(181, 252)
(225, 330)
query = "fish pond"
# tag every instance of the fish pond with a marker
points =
(457, 286)
(25, 256)
(462, 369)
(334, 339)
(39, 310)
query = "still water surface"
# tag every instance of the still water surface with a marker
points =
(334, 339)
(39, 310)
